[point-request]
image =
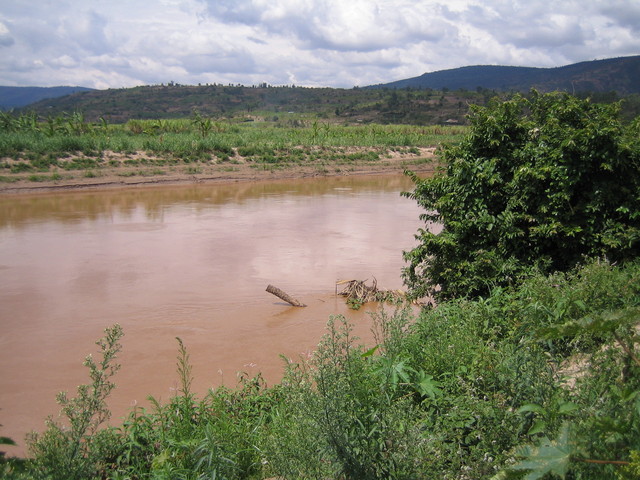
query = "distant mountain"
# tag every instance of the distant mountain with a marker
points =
(620, 75)
(16, 97)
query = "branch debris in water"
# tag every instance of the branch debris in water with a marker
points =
(358, 292)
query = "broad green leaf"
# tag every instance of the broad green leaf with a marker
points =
(531, 407)
(159, 460)
(370, 352)
(550, 456)
(598, 324)
(6, 441)
(538, 427)
(427, 386)
(567, 407)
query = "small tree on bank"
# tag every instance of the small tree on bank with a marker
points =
(540, 182)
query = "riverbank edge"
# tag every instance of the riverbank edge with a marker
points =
(111, 179)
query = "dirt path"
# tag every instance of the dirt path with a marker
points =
(123, 177)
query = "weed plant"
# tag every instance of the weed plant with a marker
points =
(345, 402)
(78, 448)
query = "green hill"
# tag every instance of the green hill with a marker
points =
(434, 98)
(354, 105)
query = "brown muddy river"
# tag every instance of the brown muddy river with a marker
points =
(190, 262)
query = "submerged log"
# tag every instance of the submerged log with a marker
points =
(283, 296)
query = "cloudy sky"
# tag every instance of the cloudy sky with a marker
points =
(337, 43)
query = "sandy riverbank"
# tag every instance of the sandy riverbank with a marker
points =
(121, 177)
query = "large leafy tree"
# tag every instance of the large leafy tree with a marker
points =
(540, 182)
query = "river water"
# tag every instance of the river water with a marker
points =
(190, 262)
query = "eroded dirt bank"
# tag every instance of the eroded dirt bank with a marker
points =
(113, 177)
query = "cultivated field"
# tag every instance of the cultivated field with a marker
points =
(68, 152)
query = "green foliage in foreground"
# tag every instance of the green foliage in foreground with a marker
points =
(538, 183)
(542, 381)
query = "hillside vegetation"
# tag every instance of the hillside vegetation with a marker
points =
(432, 98)
(284, 105)
(528, 366)
(265, 103)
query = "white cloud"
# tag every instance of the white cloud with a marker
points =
(64, 61)
(6, 40)
(357, 25)
(306, 42)
(85, 31)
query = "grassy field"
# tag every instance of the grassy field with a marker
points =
(67, 147)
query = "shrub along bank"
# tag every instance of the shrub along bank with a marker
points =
(541, 182)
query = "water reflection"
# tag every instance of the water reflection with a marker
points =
(81, 206)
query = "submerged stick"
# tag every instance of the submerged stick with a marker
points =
(283, 296)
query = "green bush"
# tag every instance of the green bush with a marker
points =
(539, 183)
(560, 353)
(354, 424)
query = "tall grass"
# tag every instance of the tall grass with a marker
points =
(182, 136)
(28, 146)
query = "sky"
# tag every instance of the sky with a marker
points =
(315, 43)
